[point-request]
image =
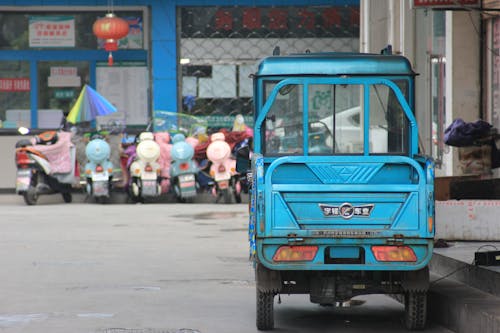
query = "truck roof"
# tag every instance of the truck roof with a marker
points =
(335, 63)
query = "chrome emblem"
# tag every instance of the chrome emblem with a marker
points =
(346, 210)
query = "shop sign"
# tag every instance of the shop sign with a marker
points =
(52, 31)
(446, 3)
(64, 77)
(277, 22)
(64, 94)
(218, 121)
(14, 84)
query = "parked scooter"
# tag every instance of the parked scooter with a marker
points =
(99, 169)
(183, 169)
(163, 140)
(145, 169)
(223, 169)
(45, 165)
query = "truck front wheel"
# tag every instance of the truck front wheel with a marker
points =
(415, 310)
(265, 310)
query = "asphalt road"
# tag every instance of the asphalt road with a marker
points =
(149, 268)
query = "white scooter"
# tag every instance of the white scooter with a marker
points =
(145, 170)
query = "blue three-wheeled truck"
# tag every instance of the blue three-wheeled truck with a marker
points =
(342, 204)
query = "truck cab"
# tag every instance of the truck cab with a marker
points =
(342, 203)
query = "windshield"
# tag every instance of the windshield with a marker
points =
(334, 120)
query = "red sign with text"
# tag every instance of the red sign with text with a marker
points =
(15, 84)
(446, 3)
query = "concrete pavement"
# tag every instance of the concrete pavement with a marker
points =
(463, 297)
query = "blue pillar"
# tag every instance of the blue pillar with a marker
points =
(164, 55)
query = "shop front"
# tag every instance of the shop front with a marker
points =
(192, 57)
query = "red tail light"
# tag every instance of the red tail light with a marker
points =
(99, 168)
(222, 168)
(295, 253)
(394, 253)
(148, 168)
(184, 166)
(23, 158)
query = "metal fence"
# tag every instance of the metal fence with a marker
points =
(220, 47)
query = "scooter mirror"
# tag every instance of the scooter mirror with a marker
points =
(243, 159)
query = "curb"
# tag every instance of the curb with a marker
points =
(461, 308)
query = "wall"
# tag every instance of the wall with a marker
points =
(409, 31)
(463, 89)
(7, 154)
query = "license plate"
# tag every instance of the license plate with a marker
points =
(100, 188)
(149, 183)
(186, 178)
(223, 184)
(148, 176)
(187, 181)
(149, 188)
(100, 176)
(23, 180)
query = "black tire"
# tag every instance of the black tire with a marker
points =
(226, 195)
(237, 197)
(265, 311)
(67, 197)
(30, 196)
(177, 191)
(415, 310)
(101, 200)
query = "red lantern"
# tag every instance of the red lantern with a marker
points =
(110, 28)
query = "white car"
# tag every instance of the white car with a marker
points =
(349, 133)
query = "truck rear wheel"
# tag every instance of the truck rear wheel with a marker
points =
(265, 310)
(415, 310)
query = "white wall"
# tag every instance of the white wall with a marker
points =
(409, 30)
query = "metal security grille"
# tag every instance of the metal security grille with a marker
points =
(220, 48)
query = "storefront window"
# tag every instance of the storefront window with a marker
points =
(14, 93)
(59, 84)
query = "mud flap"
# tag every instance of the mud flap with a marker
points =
(323, 290)
(416, 281)
(267, 280)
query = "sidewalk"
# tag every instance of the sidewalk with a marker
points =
(464, 297)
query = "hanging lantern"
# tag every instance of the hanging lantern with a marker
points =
(110, 28)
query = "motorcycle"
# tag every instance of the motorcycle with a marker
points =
(45, 165)
(183, 169)
(145, 179)
(163, 140)
(223, 169)
(98, 169)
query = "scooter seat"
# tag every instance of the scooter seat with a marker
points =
(23, 143)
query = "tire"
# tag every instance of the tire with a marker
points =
(265, 311)
(178, 194)
(67, 197)
(101, 200)
(30, 196)
(226, 195)
(237, 197)
(415, 310)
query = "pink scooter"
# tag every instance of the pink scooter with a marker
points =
(223, 169)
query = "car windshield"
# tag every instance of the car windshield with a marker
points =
(334, 121)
